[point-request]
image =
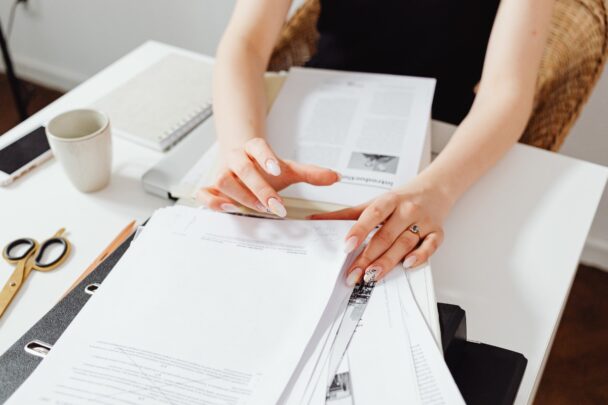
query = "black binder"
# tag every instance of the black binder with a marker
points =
(484, 374)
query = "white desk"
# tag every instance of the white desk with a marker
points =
(511, 250)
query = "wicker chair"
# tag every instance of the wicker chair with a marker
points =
(572, 63)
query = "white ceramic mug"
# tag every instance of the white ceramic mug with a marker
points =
(82, 142)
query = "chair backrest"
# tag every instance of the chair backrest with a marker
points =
(571, 65)
(298, 40)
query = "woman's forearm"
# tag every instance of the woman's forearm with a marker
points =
(503, 104)
(239, 101)
(250, 173)
(490, 129)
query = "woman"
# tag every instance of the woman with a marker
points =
(462, 44)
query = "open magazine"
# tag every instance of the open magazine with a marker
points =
(371, 128)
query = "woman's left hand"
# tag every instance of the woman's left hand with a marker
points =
(410, 220)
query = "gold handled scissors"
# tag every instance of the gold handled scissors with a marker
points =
(27, 255)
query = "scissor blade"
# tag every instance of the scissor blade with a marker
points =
(12, 286)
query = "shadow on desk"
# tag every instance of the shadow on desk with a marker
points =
(125, 190)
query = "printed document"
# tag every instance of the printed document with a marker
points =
(393, 358)
(314, 380)
(371, 128)
(204, 308)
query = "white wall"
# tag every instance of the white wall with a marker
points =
(589, 141)
(62, 42)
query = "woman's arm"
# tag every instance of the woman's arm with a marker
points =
(251, 173)
(495, 122)
(504, 100)
(239, 103)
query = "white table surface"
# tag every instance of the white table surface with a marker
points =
(510, 254)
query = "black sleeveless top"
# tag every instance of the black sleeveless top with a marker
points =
(444, 39)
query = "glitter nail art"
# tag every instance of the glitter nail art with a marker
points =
(370, 275)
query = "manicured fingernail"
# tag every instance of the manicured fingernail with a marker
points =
(226, 207)
(260, 207)
(409, 262)
(354, 277)
(371, 274)
(350, 244)
(272, 167)
(276, 207)
(339, 176)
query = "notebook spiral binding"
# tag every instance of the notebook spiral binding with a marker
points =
(177, 131)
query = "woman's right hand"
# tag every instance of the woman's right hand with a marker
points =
(251, 175)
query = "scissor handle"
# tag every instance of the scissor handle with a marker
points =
(9, 250)
(41, 264)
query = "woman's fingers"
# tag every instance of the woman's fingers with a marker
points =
(404, 245)
(315, 175)
(429, 245)
(378, 248)
(247, 172)
(372, 216)
(231, 187)
(215, 200)
(261, 172)
(390, 258)
(259, 150)
(376, 260)
(384, 238)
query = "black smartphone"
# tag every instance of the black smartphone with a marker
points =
(25, 153)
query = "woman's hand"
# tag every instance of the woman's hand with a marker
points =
(252, 174)
(411, 221)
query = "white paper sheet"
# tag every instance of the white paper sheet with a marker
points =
(310, 383)
(369, 127)
(423, 288)
(340, 391)
(308, 373)
(420, 279)
(340, 336)
(204, 308)
(393, 358)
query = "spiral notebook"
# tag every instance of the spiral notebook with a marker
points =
(159, 106)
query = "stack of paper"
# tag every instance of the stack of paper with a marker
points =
(393, 358)
(208, 308)
(205, 308)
